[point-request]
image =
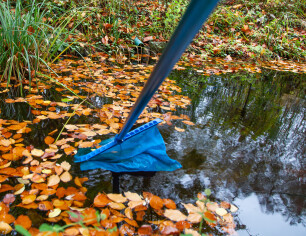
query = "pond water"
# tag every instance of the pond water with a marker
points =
(247, 146)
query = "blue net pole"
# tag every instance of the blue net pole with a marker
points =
(193, 19)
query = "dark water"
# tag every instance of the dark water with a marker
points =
(247, 146)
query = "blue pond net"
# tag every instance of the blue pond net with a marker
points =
(142, 149)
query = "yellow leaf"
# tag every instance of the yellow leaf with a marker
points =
(5, 228)
(54, 213)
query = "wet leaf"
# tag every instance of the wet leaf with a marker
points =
(49, 140)
(179, 129)
(145, 230)
(221, 211)
(156, 202)
(128, 213)
(133, 196)
(66, 177)
(119, 198)
(169, 230)
(5, 228)
(126, 229)
(233, 208)
(24, 221)
(53, 180)
(28, 199)
(170, 204)
(53, 213)
(37, 152)
(174, 215)
(9, 198)
(101, 200)
(116, 206)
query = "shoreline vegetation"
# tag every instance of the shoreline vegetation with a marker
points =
(257, 30)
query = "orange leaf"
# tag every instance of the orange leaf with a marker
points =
(28, 199)
(89, 216)
(24, 221)
(156, 202)
(49, 140)
(101, 200)
(126, 229)
(7, 218)
(170, 204)
(128, 212)
(145, 230)
(45, 206)
(140, 215)
(5, 188)
(131, 222)
(181, 225)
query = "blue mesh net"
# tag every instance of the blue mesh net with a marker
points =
(145, 151)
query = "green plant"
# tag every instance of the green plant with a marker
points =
(21, 37)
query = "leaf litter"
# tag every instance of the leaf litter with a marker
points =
(45, 174)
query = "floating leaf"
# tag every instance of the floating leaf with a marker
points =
(233, 208)
(179, 129)
(9, 198)
(133, 196)
(170, 204)
(66, 177)
(156, 202)
(37, 152)
(174, 215)
(119, 198)
(24, 221)
(169, 230)
(28, 199)
(128, 213)
(101, 200)
(53, 213)
(116, 205)
(53, 180)
(5, 228)
(221, 211)
(49, 140)
(65, 165)
(145, 230)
